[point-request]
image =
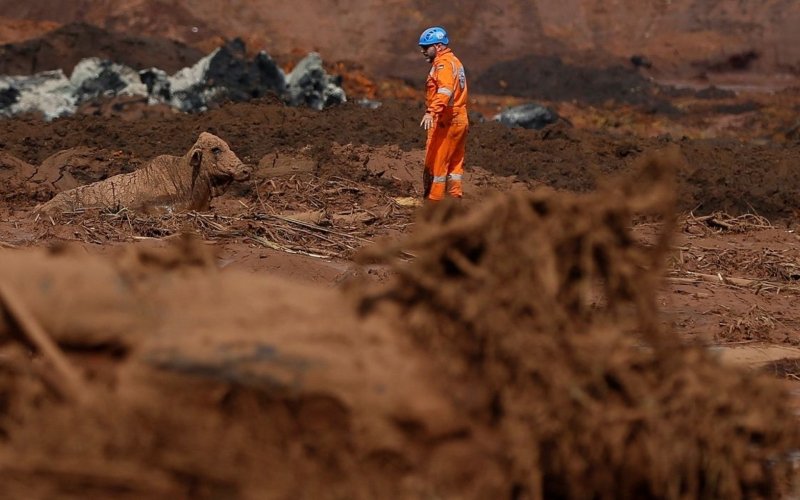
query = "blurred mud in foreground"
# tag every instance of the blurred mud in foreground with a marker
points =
(518, 355)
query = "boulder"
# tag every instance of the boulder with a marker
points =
(308, 84)
(243, 79)
(50, 93)
(369, 103)
(530, 116)
(8, 96)
(157, 83)
(224, 74)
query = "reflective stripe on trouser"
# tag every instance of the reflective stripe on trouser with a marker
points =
(444, 158)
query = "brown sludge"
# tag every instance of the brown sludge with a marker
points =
(469, 375)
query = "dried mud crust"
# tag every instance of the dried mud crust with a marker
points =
(468, 375)
(719, 175)
(735, 281)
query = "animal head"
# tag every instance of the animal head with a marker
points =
(212, 158)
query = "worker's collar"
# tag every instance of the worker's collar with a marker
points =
(439, 53)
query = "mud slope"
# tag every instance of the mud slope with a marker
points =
(682, 37)
(64, 47)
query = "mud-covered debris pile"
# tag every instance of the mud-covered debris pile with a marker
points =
(544, 307)
(550, 78)
(518, 355)
(224, 74)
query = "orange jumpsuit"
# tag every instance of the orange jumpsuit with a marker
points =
(446, 100)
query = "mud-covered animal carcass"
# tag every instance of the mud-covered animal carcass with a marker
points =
(189, 181)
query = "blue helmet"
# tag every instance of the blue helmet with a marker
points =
(437, 34)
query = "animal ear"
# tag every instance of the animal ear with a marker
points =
(194, 162)
(197, 157)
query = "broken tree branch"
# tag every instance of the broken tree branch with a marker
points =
(68, 384)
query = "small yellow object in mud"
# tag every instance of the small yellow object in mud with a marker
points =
(408, 201)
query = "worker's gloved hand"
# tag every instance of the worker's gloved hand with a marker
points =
(427, 121)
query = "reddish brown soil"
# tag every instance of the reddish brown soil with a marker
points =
(445, 376)
(721, 41)
(719, 175)
(523, 344)
(64, 47)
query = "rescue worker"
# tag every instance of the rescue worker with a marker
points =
(445, 117)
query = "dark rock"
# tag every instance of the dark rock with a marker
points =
(369, 103)
(475, 117)
(241, 79)
(530, 116)
(157, 83)
(225, 74)
(97, 78)
(640, 61)
(309, 85)
(8, 96)
(269, 74)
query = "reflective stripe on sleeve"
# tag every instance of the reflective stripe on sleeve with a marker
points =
(454, 177)
(444, 90)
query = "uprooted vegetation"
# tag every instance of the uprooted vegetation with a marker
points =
(470, 374)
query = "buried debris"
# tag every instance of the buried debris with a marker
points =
(722, 222)
(531, 116)
(67, 381)
(224, 74)
(545, 307)
(518, 355)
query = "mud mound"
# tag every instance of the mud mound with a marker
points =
(730, 176)
(64, 47)
(253, 129)
(14, 174)
(562, 351)
(78, 166)
(550, 79)
(471, 376)
(183, 403)
(64, 170)
(724, 175)
(15, 30)
(672, 36)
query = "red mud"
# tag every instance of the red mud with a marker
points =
(682, 38)
(188, 381)
(545, 338)
(64, 47)
(719, 175)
